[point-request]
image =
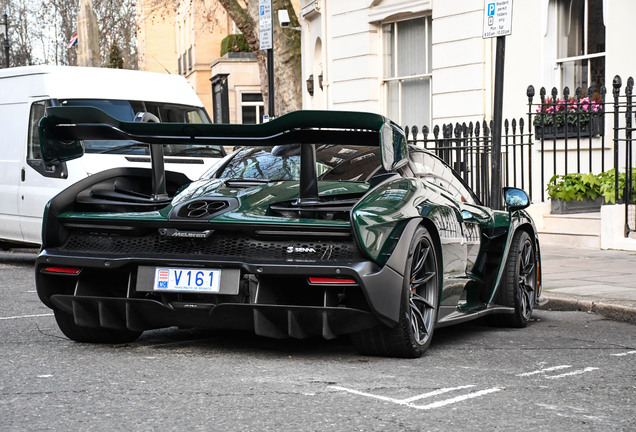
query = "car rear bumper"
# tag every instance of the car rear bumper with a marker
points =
(276, 321)
(107, 292)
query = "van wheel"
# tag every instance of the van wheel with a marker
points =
(66, 322)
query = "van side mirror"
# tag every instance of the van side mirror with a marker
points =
(516, 199)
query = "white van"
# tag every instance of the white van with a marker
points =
(27, 182)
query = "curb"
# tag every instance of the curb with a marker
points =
(614, 312)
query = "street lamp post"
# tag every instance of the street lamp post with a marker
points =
(6, 40)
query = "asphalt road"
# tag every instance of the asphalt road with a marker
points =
(568, 371)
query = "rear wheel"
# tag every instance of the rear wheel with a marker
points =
(519, 286)
(89, 334)
(418, 310)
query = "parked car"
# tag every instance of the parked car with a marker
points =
(320, 224)
(27, 182)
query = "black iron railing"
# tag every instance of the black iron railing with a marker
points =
(467, 148)
(586, 132)
(570, 134)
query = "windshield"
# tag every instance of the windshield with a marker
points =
(333, 162)
(166, 112)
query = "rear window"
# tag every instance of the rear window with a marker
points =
(333, 162)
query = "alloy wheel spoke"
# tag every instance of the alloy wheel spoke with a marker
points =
(527, 253)
(528, 268)
(415, 327)
(524, 305)
(416, 298)
(418, 323)
(425, 278)
(529, 293)
(422, 253)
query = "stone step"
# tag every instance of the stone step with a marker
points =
(574, 230)
(557, 238)
(582, 223)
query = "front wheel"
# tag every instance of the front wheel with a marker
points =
(519, 284)
(89, 334)
(418, 310)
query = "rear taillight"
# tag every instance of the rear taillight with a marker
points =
(315, 280)
(63, 270)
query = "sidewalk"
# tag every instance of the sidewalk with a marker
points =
(592, 280)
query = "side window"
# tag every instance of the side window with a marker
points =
(429, 167)
(36, 113)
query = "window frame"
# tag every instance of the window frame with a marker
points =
(560, 62)
(260, 105)
(385, 81)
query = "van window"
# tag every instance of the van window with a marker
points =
(167, 113)
(36, 113)
(125, 110)
(118, 109)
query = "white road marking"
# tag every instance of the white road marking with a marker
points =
(576, 415)
(359, 393)
(434, 393)
(550, 369)
(576, 372)
(624, 354)
(26, 316)
(457, 399)
(409, 401)
(401, 401)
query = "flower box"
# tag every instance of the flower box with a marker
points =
(548, 132)
(574, 206)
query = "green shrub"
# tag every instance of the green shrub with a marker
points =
(234, 43)
(579, 186)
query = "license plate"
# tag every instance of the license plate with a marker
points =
(187, 280)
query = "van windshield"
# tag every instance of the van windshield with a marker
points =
(126, 110)
(166, 112)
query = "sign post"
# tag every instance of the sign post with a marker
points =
(266, 39)
(6, 40)
(497, 23)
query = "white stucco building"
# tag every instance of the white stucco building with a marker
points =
(425, 61)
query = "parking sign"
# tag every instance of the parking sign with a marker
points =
(265, 24)
(497, 18)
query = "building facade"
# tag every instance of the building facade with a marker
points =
(425, 62)
(185, 38)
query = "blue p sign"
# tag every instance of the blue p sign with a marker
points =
(491, 9)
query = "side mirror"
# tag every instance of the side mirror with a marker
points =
(516, 199)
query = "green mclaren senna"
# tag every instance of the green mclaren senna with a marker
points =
(320, 223)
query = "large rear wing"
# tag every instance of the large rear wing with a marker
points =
(64, 128)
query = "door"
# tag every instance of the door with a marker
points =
(39, 181)
(13, 124)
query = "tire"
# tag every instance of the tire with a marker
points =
(92, 335)
(519, 285)
(418, 310)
